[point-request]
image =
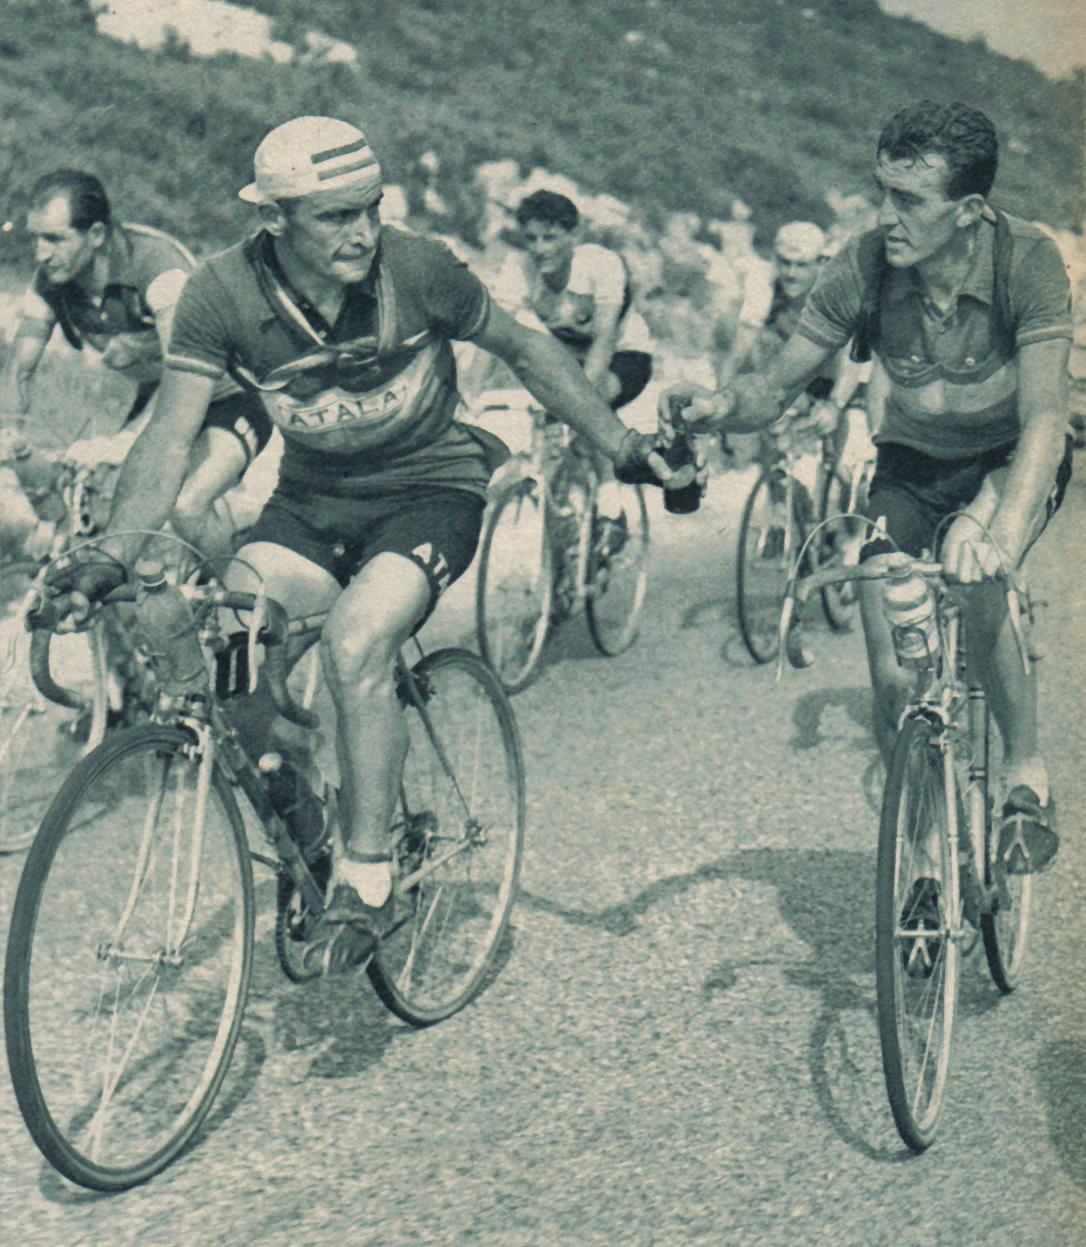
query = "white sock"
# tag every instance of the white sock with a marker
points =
(1034, 774)
(371, 880)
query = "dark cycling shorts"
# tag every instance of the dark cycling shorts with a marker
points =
(916, 493)
(244, 416)
(436, 528)
(633, 369)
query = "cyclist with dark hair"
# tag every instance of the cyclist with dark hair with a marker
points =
(968, 311)
(113, 286)
(580, 292)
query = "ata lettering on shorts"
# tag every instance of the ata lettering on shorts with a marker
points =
(434, 563)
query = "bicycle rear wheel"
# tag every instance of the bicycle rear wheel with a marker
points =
(39, 741)
(618, 566)
(515, 584)
(771, 533)
(128, 959)
(917, 952)
(459, 833)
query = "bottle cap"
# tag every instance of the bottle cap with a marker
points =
(151, 573)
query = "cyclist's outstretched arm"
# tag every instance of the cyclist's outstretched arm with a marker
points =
(753, 401)
(551, 375)
(155, 468)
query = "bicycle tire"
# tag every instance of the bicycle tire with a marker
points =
(839, 602)
(70, 957)
(1006, 930)
(614, 618)
(916, 973)
(449, 927)
(40, 741)
(761, 578)
(514, 588)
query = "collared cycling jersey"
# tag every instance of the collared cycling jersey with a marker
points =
(953, 394)
(146, 268)
(598, 279)
(365, 404)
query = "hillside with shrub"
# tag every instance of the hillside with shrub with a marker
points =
(687, 104)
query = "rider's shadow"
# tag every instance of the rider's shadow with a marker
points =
(818, 714)
(1061, 1072)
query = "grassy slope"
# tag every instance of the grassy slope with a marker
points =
(716, 99)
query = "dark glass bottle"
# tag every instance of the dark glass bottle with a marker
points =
(687, 498)
(294, 801)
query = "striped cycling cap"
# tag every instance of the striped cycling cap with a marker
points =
(311, 154)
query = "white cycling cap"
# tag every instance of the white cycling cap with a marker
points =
(311, 154)
(799, 240)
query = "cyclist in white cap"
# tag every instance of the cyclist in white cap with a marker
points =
(343, 326)
(769, 316)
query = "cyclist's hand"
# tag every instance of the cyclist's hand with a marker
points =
(92, 452)
(824, 417)
(639, 461)
(970, 555)
(83, 577)
(692, 408)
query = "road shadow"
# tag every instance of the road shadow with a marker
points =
(1061, 1073)
(814, 708)
(826, 897)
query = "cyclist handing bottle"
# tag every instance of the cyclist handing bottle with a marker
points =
(968, 311)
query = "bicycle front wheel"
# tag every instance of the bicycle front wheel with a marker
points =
(917, 925)
(771, 533)
(618, 566)
(459, 833)
(40, 742)
(128, 959)
(515, 584)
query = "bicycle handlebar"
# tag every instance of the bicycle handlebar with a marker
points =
(273, 629)
(799, 592)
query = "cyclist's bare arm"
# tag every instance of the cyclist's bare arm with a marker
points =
(551, 375)
(1043, 417)
(753, 401)
(32, 334)
(155, 468)
(597, 362)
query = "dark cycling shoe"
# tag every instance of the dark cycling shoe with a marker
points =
(921, 913)
(772, 543)
(1028, 841)
(611, 536)
(355, 928)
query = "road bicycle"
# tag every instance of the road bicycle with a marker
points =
(39, 739)
(557, 537)
(939, 877)
(777, 517)
(131, 941)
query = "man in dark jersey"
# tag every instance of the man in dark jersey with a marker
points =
(343, 326)
(969, 313)
(113, 286)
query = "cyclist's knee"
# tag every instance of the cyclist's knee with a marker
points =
(358, 654)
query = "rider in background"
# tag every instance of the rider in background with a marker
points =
(113, 287)
(579, 292)
(968, 310)
(767, 320)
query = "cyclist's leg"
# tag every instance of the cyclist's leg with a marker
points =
(235, 430)
(406, 563)
(909, 526)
